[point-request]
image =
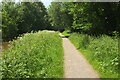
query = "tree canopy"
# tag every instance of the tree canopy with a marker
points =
(19, 18)
(91, 18)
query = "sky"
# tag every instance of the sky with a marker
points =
(46, 2)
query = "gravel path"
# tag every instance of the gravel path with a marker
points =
(75, 65)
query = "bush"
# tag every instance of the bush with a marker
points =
(102, 52)
(35, 55)
(66, 33)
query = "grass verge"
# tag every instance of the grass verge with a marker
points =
(35, 55)
(101, 52)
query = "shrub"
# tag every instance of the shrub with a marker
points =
(66, 33)
(35, 55)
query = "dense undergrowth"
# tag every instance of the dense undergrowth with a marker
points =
(101, 52)
(35, 55)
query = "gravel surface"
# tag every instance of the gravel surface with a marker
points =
(75, 64)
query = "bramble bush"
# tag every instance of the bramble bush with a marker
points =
(34, 55)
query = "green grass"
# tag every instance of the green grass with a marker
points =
(35, 55)
(101, 52)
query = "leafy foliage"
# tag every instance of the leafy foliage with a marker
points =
(66, 33)
(9, 19)
(19, 18)
(35, 55)
(58, 16)
(102, 52)
(91, 18)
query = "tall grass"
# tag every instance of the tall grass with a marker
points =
(101, 52)
(35, 55)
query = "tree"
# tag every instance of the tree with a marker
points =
(22, 17)
(91, 18)
(34, 15)
(58, 16)
(9, 26)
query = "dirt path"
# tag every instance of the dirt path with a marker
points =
(75, 65)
